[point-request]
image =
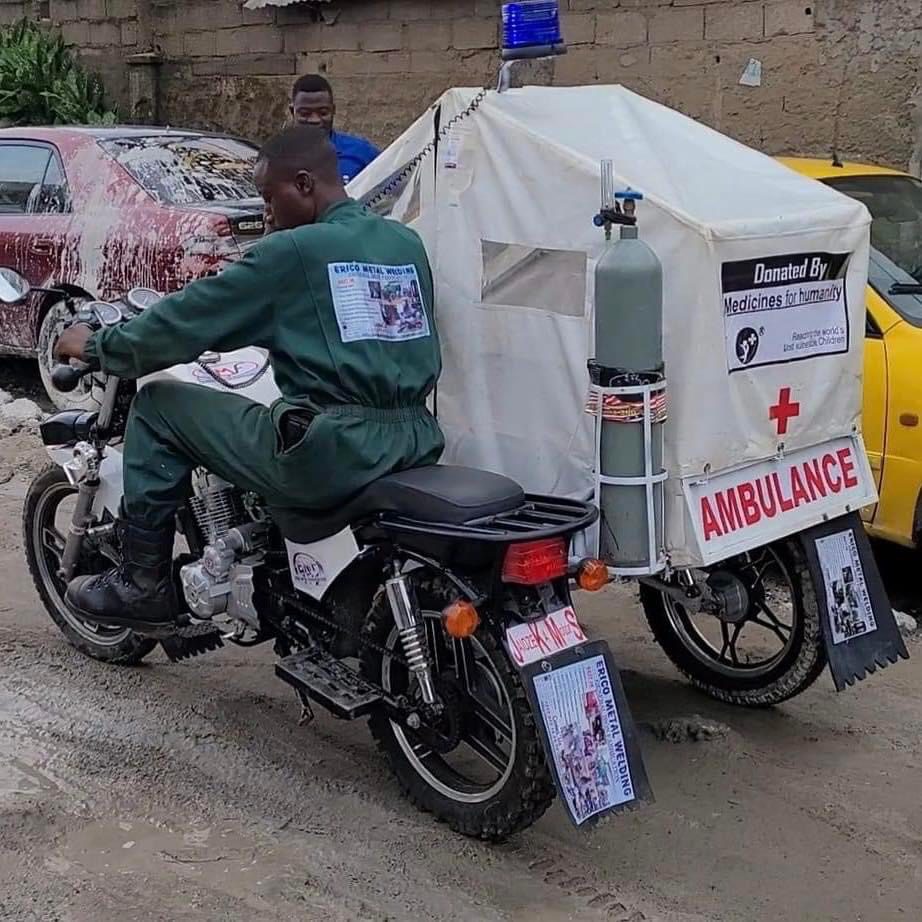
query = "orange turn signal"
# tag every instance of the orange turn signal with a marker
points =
(591, 575)
(460, 619)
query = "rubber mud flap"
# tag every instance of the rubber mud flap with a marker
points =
(859, 629)
(589, 736)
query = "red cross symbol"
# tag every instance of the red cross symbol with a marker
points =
(783, 410)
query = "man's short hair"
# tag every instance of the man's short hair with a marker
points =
(302, 147)
(311, 83)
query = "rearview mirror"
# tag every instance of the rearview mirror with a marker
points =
(13, 287)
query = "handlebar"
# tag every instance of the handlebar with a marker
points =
(66, 377)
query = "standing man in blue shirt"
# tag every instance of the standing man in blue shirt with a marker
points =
(312, 104)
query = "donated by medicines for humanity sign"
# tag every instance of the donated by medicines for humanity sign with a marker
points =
(784, 308)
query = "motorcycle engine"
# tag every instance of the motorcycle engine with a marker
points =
(221, 581)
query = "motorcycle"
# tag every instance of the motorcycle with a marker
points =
(436, 603)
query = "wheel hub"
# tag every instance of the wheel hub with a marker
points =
(441, 728)
(730, 596)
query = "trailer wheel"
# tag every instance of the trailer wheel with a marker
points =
(769, 651)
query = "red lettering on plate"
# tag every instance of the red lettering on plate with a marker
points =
(557, 635)
(829, 462)
(728, 510)
(814, 478)
(747, 495)
(786, 504)
(573, 621)
(709, 521)
(539, 640)
(766, 496)
(801, 496)
(844, 455)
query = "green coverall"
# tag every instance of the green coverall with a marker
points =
(344, 308)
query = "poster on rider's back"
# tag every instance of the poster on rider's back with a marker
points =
(585, 737)
(377, 302)
(783, 309)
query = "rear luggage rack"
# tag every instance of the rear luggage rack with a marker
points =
(538, 517)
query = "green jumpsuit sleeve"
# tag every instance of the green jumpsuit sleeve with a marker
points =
(222, 312)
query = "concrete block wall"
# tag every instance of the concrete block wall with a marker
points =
(835, 73)
(105, 32)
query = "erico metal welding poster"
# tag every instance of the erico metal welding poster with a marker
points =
(784, 308)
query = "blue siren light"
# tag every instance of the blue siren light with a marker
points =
(531, 28)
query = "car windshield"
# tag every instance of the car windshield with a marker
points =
(895, 203)
(188, 170)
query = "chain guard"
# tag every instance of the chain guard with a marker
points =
(312, 615)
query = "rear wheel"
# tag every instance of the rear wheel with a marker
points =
(770, 648)
(480, 766)
(47, 510)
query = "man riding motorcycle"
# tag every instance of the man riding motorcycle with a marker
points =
(354, 383)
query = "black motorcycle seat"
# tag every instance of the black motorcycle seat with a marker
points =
(438, 493)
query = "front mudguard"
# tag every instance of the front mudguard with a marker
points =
(109, 495)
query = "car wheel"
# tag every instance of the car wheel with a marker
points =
(83, 398)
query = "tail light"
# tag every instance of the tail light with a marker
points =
(535, 562)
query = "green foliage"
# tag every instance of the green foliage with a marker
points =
(41, 82)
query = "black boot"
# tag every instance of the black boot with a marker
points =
(138, 594)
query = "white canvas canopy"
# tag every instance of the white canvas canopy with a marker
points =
(505, 205)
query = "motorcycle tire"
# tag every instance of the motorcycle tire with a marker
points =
(796, 669)
(523, 792)
(118, 646)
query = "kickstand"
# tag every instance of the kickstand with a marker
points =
(307, 712)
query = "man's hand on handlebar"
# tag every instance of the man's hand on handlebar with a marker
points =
(72, 342)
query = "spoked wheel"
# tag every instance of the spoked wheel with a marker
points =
(479, 763)
(764, 646)
(48, 509)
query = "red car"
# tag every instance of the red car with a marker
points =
(100, 210)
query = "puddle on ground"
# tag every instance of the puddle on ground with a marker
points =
(248, 864)
(19, 778)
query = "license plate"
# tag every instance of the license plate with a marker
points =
(558, 631)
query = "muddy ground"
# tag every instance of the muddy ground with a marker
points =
(171, 792)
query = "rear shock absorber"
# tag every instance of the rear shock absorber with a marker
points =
(412, 635)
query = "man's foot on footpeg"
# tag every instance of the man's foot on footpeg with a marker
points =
(139, 593)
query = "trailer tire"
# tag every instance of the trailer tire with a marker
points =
(796, 670)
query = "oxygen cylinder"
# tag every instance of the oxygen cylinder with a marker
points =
(628, 352)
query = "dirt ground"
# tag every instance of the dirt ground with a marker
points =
(171, 792)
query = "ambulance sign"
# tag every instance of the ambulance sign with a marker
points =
(747, 508)
(784, 309)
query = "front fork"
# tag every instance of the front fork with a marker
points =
(83, 472)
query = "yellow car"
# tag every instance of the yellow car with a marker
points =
(893, 339)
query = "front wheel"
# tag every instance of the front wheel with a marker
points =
(483, 771)
(765, 647)
(46, 514)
